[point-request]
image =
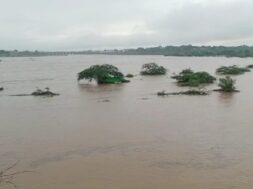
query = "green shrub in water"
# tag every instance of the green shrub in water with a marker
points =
(190, 78)
(103, 74)
(153, 69)
(232, 70)
(227, 84)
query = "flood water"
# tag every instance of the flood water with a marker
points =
(124, 136)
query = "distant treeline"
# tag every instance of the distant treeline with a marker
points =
(16, 53)
(185, 50)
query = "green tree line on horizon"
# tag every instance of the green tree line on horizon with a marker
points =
(184, 50)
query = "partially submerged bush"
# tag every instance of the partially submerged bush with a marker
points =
(232, 70)
(153, 69)
(103, 74)
(226, 84)
(193, 79)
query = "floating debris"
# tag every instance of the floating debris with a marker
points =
(105, 100)
(189, 92)
(39, 92)
(129, 75)
(144, 98)
(222, 91)
(45, 92)
(250, 66)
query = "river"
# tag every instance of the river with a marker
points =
(124, 136)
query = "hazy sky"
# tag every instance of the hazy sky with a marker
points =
(99, 24)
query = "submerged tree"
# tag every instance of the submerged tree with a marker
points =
(227, 84)
(103, 74)
(153, 69)
(190, 78)
(232, 70)
(7, 176)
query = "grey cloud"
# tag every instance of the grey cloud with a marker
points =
(207, 23)
(98, 24)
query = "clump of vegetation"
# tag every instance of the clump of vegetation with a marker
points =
(103, 74)
(190, 78)
(227, 84)
(188, 92)
(232, 70)
(153, 69)
(129, 75)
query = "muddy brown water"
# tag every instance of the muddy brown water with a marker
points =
(124, 136)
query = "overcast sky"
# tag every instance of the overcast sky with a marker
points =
(100, 24)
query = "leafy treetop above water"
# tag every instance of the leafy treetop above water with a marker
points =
(190, 78)
(232, 70)
(103, 74)
(227, 84)
(153, 69)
